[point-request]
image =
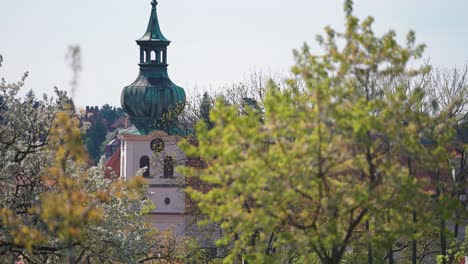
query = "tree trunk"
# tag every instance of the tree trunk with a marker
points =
(414, 249)
(443, 242)
(370, 257)
(456, 227)
(390, 256)
(391, 260)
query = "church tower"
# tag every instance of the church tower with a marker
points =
(152, 102)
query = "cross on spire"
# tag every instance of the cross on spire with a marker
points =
(154, 3)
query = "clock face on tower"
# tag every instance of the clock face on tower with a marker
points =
(157, 145)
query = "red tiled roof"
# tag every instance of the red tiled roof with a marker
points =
(114, 164)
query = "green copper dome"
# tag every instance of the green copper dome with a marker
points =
(153, 101)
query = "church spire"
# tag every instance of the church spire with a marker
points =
(153, 44)
(153, 32)
(153, 101)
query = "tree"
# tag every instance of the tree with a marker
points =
(54, 208)
(205, 108)
(24, 130)
(449, 91)
(94, 138)
(110, 114)
(324, 169)
(252, 89)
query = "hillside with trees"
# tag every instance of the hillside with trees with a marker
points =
(101, 126)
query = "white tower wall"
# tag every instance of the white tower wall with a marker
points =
(165, 193)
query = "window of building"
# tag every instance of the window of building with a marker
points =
(168, 167)
(145, 162)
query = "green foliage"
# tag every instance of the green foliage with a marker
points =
(54, 208)
(94, 138)
(94, 209)
(97, 131)
(111, 113)
(205, 108)
(325, 167)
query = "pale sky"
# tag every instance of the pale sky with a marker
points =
(214, 42)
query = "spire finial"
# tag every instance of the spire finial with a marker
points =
(153, 32)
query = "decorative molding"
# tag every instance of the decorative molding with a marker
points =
(156, 134)
(167, 186)
(166, 214)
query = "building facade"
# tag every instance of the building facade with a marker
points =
(152, 103)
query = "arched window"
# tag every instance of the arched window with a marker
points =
(153, 56)
(161, 57)
(168, 167)
(145, 162)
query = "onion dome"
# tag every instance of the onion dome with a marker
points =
(153, 101)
